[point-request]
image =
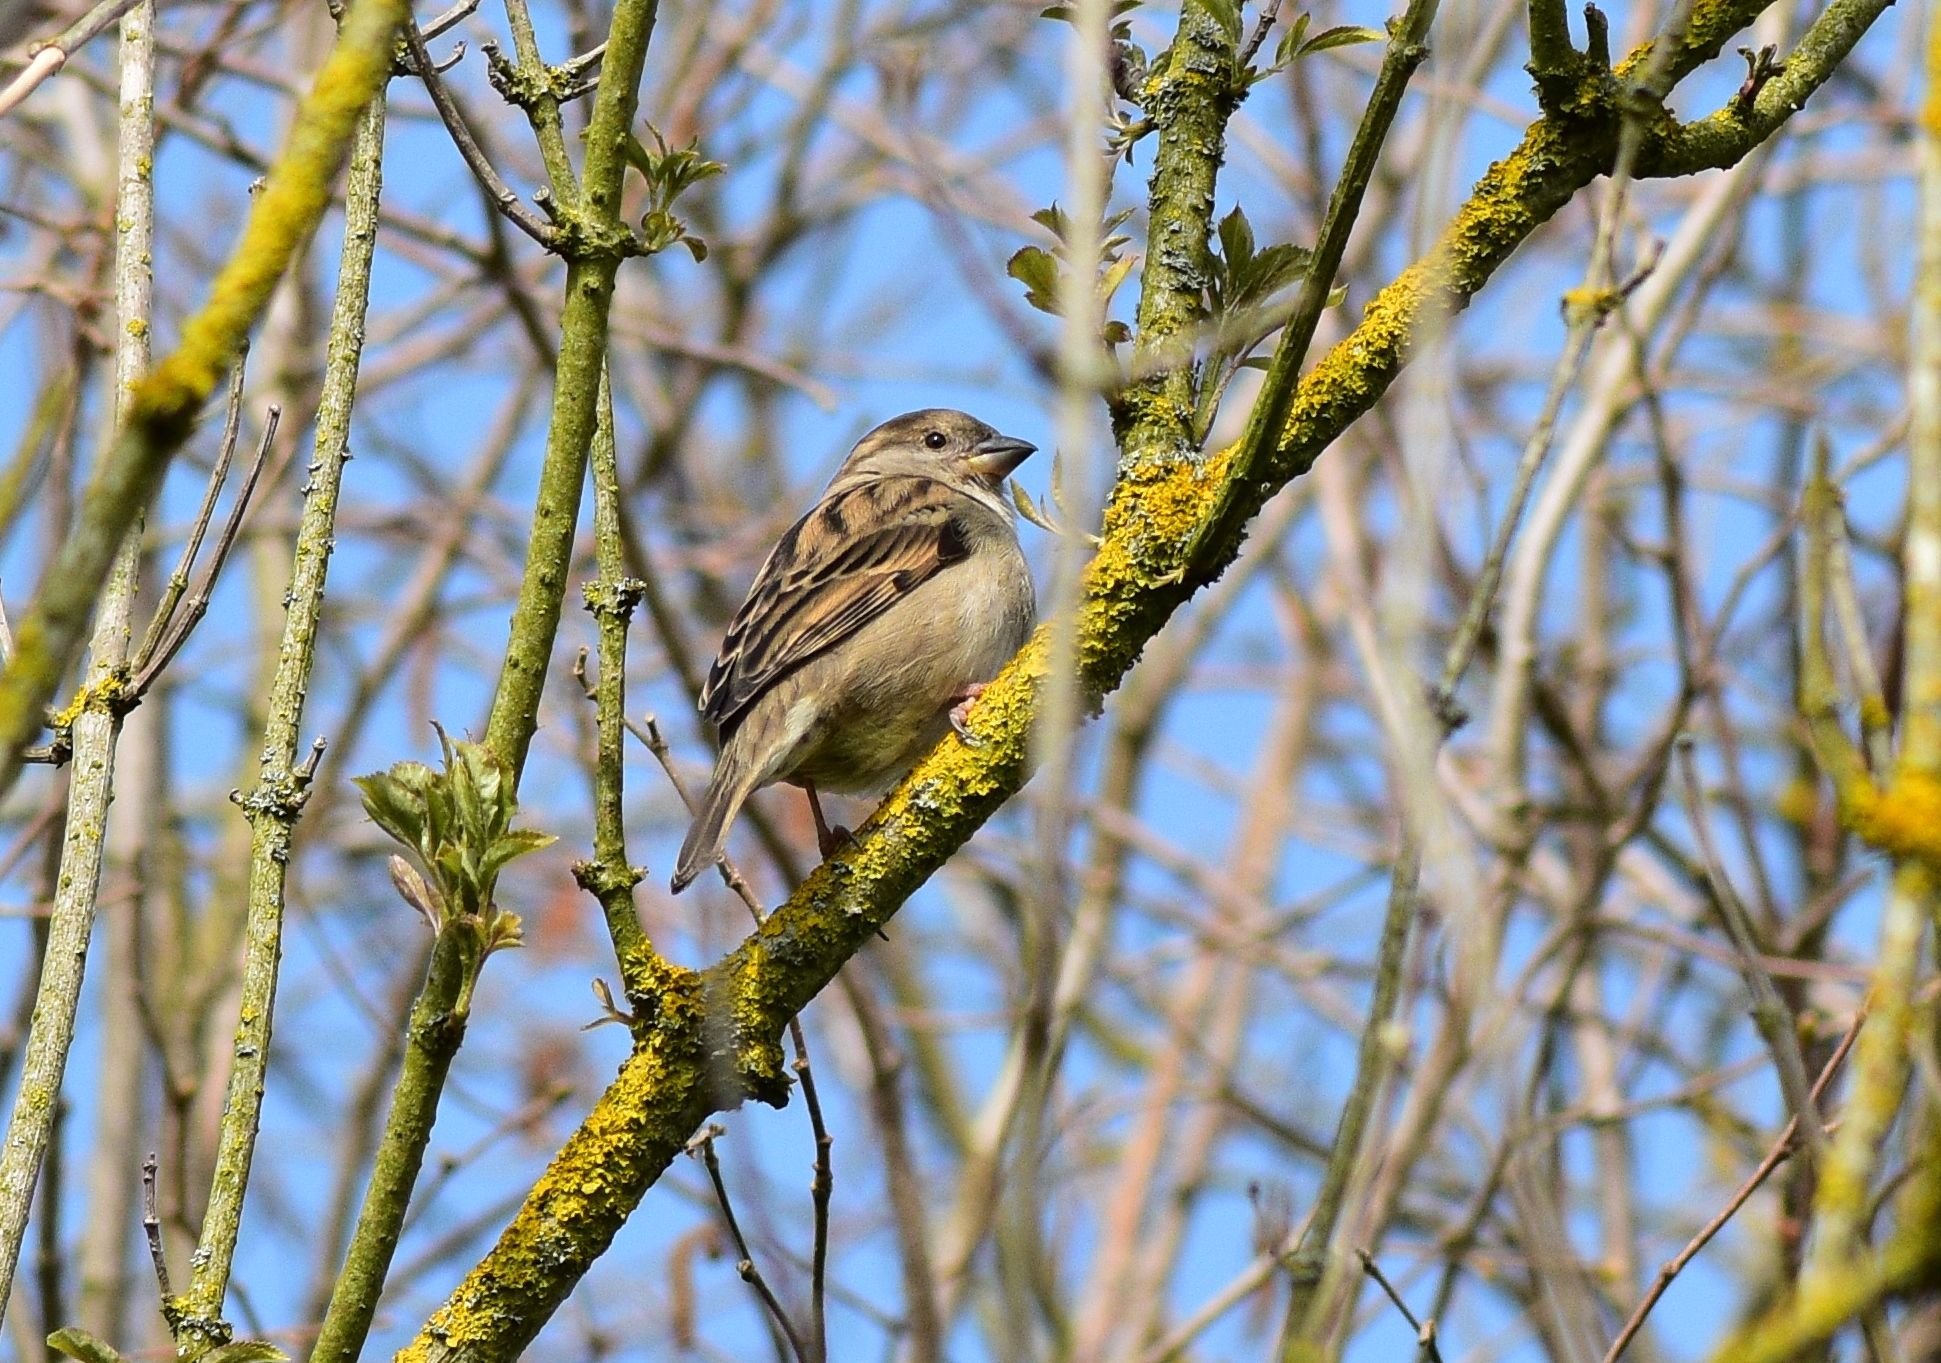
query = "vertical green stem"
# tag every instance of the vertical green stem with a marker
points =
(595, 243)
(95, 729)
(1315, 1272)
(437, 1026)
(611, 599)
(542, 107)
(1408, 48)
(283, 785)
(435, 1032)
(1190, 100)
(103, 1255)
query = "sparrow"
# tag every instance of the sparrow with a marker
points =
(875, 621)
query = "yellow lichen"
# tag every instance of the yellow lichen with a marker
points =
(1902, 821)
(103, 697)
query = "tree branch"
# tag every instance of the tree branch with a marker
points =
(1170, 527)
(594, 241)
(166, 403)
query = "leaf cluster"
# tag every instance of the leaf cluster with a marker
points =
(458, 824)
(1244, 275)
(1295, 44)
(669, 173)
(86, 1348)
(1041, 271)
(1131, 67)
(1242, 279)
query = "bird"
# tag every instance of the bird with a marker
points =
(874, 622)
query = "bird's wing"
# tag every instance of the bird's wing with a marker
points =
(855, 554)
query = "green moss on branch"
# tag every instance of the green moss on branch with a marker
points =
(1189, 100)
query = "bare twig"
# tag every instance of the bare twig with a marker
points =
(1769, 1012)
(1425, 1331)
(703, 1145)
(178, 580)
(509, 204)
(152, 1226)
(52, 55)
(1775, 1156)
(197, 604)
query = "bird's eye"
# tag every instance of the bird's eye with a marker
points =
(935, 440)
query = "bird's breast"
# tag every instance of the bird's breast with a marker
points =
(887, 691)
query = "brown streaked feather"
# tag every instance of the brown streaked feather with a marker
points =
(825, 580)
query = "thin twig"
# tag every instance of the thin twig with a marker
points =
(1876, 723)
(509, 204)
(1769, 1012)
(1407, 49)
(51, 56)
(1262, 27)
(820, 1187)
(1781, 1148)
(745, 1260)
(609, 877)
(152, 1226)
(1585, 317)
(1425, 1332)
(178, 581)
(822, 1183)
(198, 604)
(647, 730)
(449, 20)
(1309, 1263)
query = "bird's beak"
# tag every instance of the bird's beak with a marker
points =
(993, 459)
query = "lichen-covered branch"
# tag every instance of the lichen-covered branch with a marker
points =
(165, 404)
(1723, 138)
(1844, 1279)
(95, 730)
(282, 788)
(1189, 99)
(1171, 526)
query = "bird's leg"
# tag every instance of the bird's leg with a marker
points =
(960, 703)
(829, 838)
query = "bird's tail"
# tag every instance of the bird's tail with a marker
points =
(730, 786)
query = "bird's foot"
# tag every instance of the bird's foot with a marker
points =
(829, 838)
(961, 701)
